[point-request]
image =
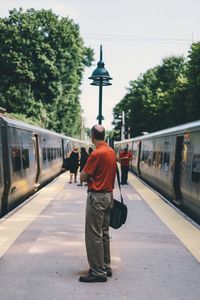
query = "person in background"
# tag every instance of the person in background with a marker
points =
(83, 160)
(99, 172)
(73, 164)
(125, 157)
(90, 150)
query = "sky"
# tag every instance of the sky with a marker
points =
(135, 34)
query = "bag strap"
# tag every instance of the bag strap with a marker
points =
(118, 180)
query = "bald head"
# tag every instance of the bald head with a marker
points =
(98, 132)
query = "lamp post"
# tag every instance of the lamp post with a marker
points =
(123, 127)
(100, 77)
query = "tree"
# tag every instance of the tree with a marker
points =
(153, 100)
(193, 91)
(42, 59)
(172, 84)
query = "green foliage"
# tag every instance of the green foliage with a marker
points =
(23, 118)
(193, 91)
(157, 99)
(42, 59)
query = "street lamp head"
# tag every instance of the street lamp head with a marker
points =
(100, 75)
(105, 82)
(100, 72)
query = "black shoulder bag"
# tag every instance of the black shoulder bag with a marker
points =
(118, 213)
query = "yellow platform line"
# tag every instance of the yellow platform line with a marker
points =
(186, 232)
(13, 226)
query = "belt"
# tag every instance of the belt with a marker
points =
(94, 191)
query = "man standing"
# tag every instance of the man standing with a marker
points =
(99, 172)
(125, 157)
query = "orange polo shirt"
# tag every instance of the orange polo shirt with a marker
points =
(126, 158)
(101, 166)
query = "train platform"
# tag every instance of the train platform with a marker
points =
(155, 255)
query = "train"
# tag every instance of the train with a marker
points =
(30, 157)
(169, 161)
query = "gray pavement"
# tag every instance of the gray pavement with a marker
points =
(148, 261)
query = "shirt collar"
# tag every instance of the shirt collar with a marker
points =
(101, 144)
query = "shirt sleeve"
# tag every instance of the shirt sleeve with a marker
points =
(91, 165)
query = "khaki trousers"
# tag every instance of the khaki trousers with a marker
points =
(97, 232)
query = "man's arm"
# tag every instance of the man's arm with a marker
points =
(130, 156)
(84, 177)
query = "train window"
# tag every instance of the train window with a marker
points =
(25, 158)
(44, 154)
(196, 168)
(134, 154)
(154, 159)
(0, 174)
(16, 159)
(54, 153)
(166, 161)
(57, 153)
(49, 154)
(150, 157)
(185, 153)
(158, 159)
(144, 156)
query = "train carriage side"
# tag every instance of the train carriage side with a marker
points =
(18, 163)
(190, 171)
(31, 157)
(156, 159)
(170, 160)
(1, 174)
(50, 156)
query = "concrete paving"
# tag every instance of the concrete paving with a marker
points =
(46, 259)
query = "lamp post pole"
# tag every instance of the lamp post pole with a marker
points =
(100, 117)
(123, 127)
(100, 78)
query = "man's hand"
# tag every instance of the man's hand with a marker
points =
(84, 177)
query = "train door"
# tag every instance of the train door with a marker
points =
(1, 176)
(37, 159)
(65, 150)
(138, 156)
(177, 169)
